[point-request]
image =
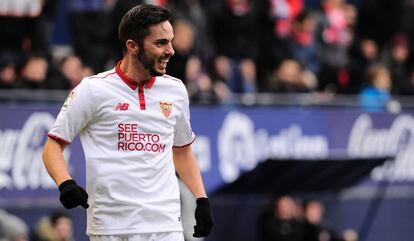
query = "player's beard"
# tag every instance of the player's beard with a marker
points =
(148, 63)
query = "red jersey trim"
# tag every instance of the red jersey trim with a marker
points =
(130, 82)
(186, 144)
(58, 138)
(141, 97)
(149, 83)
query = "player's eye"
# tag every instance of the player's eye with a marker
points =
(161, 42)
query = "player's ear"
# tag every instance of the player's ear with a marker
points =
(132, 46)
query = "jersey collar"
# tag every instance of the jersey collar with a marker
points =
(131, 83)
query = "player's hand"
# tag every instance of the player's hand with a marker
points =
(72, 195)
(204, 220)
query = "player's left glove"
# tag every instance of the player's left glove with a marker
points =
(73, 195)
(204, 220)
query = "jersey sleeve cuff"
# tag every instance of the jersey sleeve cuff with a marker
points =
(191, 142)
(58, 139)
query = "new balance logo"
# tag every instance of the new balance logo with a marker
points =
(122, 106)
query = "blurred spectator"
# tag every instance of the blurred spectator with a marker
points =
(314, 211)
(351, 15)
(8, 75)
(33, 73)
(284, 12)
(36, 72)
(336, 35)
(73, 70)
(396, 60)
(62, 225)
(186, 66)
(283, 223)
(21, 27)
(273, 48)
(363, 54)
(183, 44)
(12, 228)
(222, 92)
(234, 26)
(375, 96)
(240, 76)
(350, 235)
(89, 28)
(200, 86)
(303, 45)
(193, 12)
(57, 226)
(290, 77)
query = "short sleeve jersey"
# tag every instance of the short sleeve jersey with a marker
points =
(127, 131)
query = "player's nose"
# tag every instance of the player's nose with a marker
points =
(170, 50)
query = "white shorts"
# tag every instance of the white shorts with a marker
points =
(164, 236)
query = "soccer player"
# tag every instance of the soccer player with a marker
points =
(134, 126)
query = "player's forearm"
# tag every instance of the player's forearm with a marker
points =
(193, 181)
(54, 161)
(187, 168)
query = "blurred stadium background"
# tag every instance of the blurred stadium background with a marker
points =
(293, 101)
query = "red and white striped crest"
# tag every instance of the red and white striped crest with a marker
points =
(165, 108)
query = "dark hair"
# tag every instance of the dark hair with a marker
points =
(373, 71)
(135, 23)
(56, 215)
(302, 16)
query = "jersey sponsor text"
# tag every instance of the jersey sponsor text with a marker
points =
(129, 139)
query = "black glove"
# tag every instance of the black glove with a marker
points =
(204, 221)
(72, 195)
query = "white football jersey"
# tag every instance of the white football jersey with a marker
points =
(127, 132)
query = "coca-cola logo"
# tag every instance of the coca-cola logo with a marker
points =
(21, 165)
(397, 141)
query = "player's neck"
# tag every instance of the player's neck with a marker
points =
(133, 69)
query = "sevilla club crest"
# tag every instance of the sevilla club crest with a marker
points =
(165, 108)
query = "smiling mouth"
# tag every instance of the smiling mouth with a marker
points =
(163, 63)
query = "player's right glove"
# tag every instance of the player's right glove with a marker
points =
(204, 220)
(72, 195)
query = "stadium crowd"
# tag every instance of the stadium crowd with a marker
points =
(223, 47)
(293, 219)
(54, 226)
